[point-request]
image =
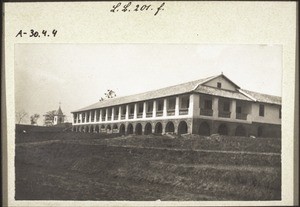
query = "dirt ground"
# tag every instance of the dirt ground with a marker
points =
(72, 166)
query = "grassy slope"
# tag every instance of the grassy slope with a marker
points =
(80, 166)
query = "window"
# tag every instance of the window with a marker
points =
(171, 103)
(160, 105)
(131, 109)
(239, 109)
(123, 110)
(261, 110)
(208, 104)
(219, 84)
(280, 113)
(141, 107)
(226, 106)
(150, 106)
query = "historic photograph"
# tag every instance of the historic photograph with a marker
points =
(148, 122)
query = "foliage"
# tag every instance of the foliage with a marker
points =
(49, 118)
(109, 94)
(34, 118)
(21, 116)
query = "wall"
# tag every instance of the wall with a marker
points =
(225, 84)
(30, 128)
(271, 114)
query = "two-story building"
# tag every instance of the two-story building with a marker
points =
(206, 106)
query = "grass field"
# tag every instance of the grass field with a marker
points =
(76, 166)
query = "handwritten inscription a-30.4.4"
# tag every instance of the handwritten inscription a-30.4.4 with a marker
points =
(127, 7)
(35, 33)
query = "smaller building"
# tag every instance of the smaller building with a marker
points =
(58, 117)
(54, 118)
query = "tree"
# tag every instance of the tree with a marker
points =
(34, 118)
(108, 94)
(21, 116)
(49, 118)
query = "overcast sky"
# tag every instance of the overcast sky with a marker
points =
(77, 75)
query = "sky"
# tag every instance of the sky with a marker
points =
(77, 75)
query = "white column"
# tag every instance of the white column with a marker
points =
(120, 112)
(106, 115)
(233, 109)
(215, 107)
(95, 115)
(90, 118)
(194, 105)
(177, 106)
(144, 109)
(77, 117)
(191, 105)
(112, 113)
(127, 112)
(80, 117)
(135, 111)
(100, 116)
(154, 109)
(165, 107)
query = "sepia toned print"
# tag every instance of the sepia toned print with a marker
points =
(167, 132)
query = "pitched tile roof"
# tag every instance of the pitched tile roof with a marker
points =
(163, 92)
(265, 98)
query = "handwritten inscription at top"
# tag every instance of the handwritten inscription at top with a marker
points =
(134, 7)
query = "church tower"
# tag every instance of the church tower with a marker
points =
(58, 117)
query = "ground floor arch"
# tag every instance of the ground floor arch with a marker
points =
(158, 128)
(97, 129)
(108, 129)
(115, 128)
(148, 129)
(91, 129)
(260, 131)
(122, 129)
(182, 128)
(240, 131)
(102, 128)
(223, 129)
(86, 129)
(130, 129)
(204, 129)
(138, 129)
(170, 127)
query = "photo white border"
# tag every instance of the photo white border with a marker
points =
(181, 22)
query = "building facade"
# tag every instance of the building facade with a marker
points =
(213, 105)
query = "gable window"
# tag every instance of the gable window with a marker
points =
(261, 110)
(219, 84)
